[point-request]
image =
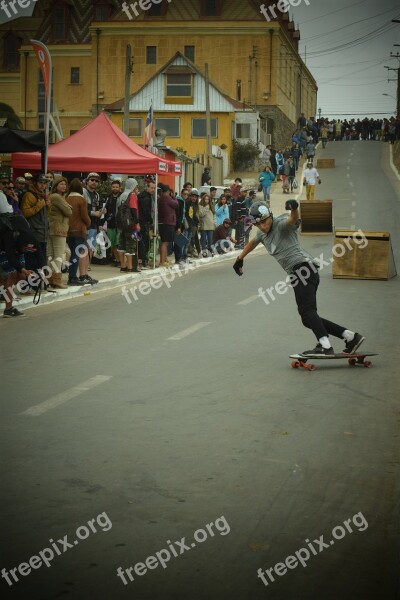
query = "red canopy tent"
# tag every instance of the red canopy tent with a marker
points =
(99, 146)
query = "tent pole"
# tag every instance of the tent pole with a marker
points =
(155, 223)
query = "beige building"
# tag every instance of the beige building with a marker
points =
(250, 59)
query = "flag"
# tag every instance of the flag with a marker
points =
(44, 58)
(149, 129)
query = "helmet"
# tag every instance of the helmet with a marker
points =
(260, 211)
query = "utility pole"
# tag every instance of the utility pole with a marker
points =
(208, 119)
(128, 73)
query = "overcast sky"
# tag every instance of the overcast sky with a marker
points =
(351, 79)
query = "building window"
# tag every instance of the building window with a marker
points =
(135, 128)
(189, 53)
(211, 8)
(199, 128)
(101, 11)
(243, 130)
(151, 55)
(12, 44)
(59, 22)
(171, 126)
(179, 85)
(75, 74)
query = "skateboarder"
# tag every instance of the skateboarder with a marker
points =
(279, 237)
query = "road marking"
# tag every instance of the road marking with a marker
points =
(351, 153)
(77, 390)
(189, 331)
(353, 215)
(353, 194)
(348, 168)
(347, 174)
(351, 184)
(353, 203)
(248, 300)
(353, 227)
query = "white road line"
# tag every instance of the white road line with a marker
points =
(39, 409)
(351, 153)
(248, 300)
(353, 203)
(348, 168)
(353, 227)
(189, 331)
(353, 194)
(351, 184)
(347, 174)
(353, 215)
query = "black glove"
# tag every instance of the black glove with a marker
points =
(319, 181)
(238, 266)
(291, 205)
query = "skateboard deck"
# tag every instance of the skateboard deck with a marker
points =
(353, 359)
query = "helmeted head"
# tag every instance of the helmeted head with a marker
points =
(260, 211)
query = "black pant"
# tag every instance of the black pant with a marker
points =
(144, 243)
(305, 286)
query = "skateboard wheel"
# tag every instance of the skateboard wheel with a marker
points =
(367, 363)
(295, 364)
(310, 367)
(352, 361)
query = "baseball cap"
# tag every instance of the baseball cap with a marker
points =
(20, 180)
(28, 175)
(42, 179)
(93, 176)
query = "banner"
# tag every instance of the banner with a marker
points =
(149, 129)
(44, 59)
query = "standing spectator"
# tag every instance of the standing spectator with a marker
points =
(235, 188)
(301, 121)
(207, 225)
(20, 188)
(192, 217)
(279, 163)
(310, 151)
(146, 200)
(296, 153)
(79, 221)
(311, 176)
(289, 173)
(179, 248)
(266, 179)
(206, 177)
(240, 213)
(12, 198)
(221, 210)
(188, 186)
(213, 195)
(274, 163)
(110, 225)
(34, 209)
(95, 210)
(59, 214)
(324, 135)
(128, 227)
(168, 208)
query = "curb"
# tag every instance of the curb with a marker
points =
(113, 282)
(391, 162)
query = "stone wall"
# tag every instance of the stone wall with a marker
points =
(278, 125)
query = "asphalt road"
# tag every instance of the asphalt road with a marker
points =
(136, 425)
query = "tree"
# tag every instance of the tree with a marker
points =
(244, 155)
(7, 112)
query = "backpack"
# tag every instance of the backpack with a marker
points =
(124, 219)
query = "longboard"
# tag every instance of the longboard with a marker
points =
(353, 359)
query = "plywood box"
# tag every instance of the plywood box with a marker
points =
(325, 163)
(316, 217)
(363, 255)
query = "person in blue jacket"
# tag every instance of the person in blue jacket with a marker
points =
(266, 178)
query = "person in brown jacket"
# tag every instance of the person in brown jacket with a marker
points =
(34, 209)
(59, 213)
(79, 221)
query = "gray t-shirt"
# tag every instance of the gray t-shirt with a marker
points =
(283, 244)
